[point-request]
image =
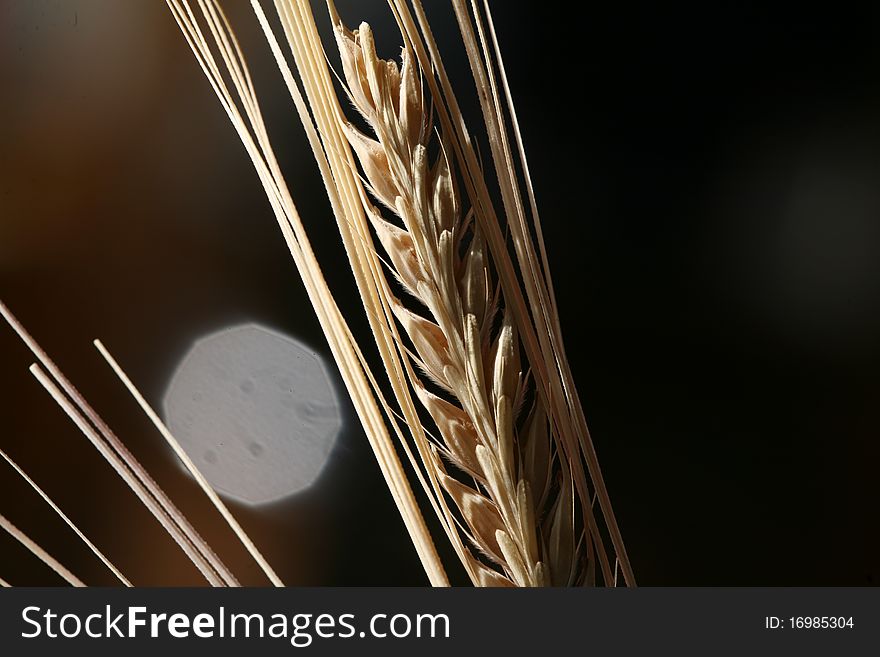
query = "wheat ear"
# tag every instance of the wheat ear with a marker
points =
(440, 258)
(516, 460)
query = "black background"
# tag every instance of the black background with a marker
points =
(709, 181)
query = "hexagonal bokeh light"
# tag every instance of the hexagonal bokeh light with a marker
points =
(256, 411)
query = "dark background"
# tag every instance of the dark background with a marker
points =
(709, 181)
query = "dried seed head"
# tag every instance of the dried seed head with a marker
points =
(503, 477)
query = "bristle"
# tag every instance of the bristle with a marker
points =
(122, 579)
(40, 553)
(122, 460)
(190, 466)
